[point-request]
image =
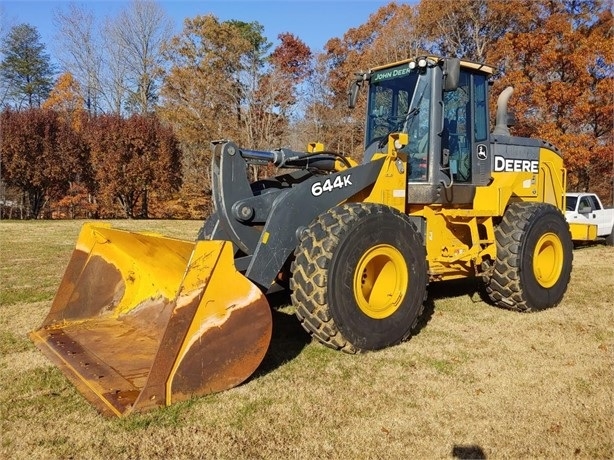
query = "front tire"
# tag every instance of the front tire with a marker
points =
(534, 258)
(359, 277)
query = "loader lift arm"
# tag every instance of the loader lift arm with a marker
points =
(265, 220)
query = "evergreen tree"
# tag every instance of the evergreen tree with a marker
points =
(26, 72)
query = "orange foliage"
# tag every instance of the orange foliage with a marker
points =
(78, 203)
(41, 155)
(133, 159)
(560, 63)
(65, 97)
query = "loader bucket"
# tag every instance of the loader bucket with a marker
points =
(141, 320)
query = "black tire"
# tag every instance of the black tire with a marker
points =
(609, 240)
(534, 258)
(339, 261)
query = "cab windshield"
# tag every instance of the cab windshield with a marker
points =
(390, 92)
(399, 101)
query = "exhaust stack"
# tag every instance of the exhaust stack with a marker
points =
(502, 115)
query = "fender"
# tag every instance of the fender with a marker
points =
(295, 208)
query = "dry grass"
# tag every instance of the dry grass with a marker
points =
(475, 381)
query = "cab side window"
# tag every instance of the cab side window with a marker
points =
(457, 129)
(585, 203)
(595, 206)
(480, 109)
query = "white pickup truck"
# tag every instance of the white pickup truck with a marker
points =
(586, 208)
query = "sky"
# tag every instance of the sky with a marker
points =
(313, 21)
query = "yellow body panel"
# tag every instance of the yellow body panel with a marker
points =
(459, 239)
(390, 186)
(583, 232)
(547, 186)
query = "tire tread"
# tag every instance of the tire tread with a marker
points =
(309, 282)
(504, 286)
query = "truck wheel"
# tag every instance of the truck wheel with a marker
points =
(534, 257)
(359, 277)
(609, 240)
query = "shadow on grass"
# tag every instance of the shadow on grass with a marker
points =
(288, 338)
(585, 245)
(469, 287)
(425, 317)
(468, 452)
(440, 290)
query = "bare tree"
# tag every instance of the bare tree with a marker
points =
(135, 38)
(116, 63)
(80, 51)
(114, 78)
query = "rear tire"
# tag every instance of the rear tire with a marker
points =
(534, 258)
(359, 277)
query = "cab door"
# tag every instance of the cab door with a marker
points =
(594, 214)
(465, 137)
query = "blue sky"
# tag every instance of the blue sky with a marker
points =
(313, 21)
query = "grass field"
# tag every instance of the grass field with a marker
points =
(474, 382)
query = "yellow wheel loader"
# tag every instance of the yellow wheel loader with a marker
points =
(141, 320)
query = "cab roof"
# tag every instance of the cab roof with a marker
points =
(437, 59)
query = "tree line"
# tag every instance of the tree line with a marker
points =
(123, 127)
(91, 167)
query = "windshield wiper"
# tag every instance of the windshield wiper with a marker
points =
(410, 114)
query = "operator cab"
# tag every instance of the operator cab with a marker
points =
(442, 105)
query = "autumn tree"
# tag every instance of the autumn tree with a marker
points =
(560, 61)
(133, 159)
(388, 35)
(67, 101)
(248, 74)
(65, 98)
(26, 72)
(204, 90)
(317, 105)
(41, 155)
(268, 113)
(464, 28)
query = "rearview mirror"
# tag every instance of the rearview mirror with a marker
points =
(354, 87)
(451, 71)
(353, 94)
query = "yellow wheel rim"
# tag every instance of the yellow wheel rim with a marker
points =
(380, 281)
(548, 260)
